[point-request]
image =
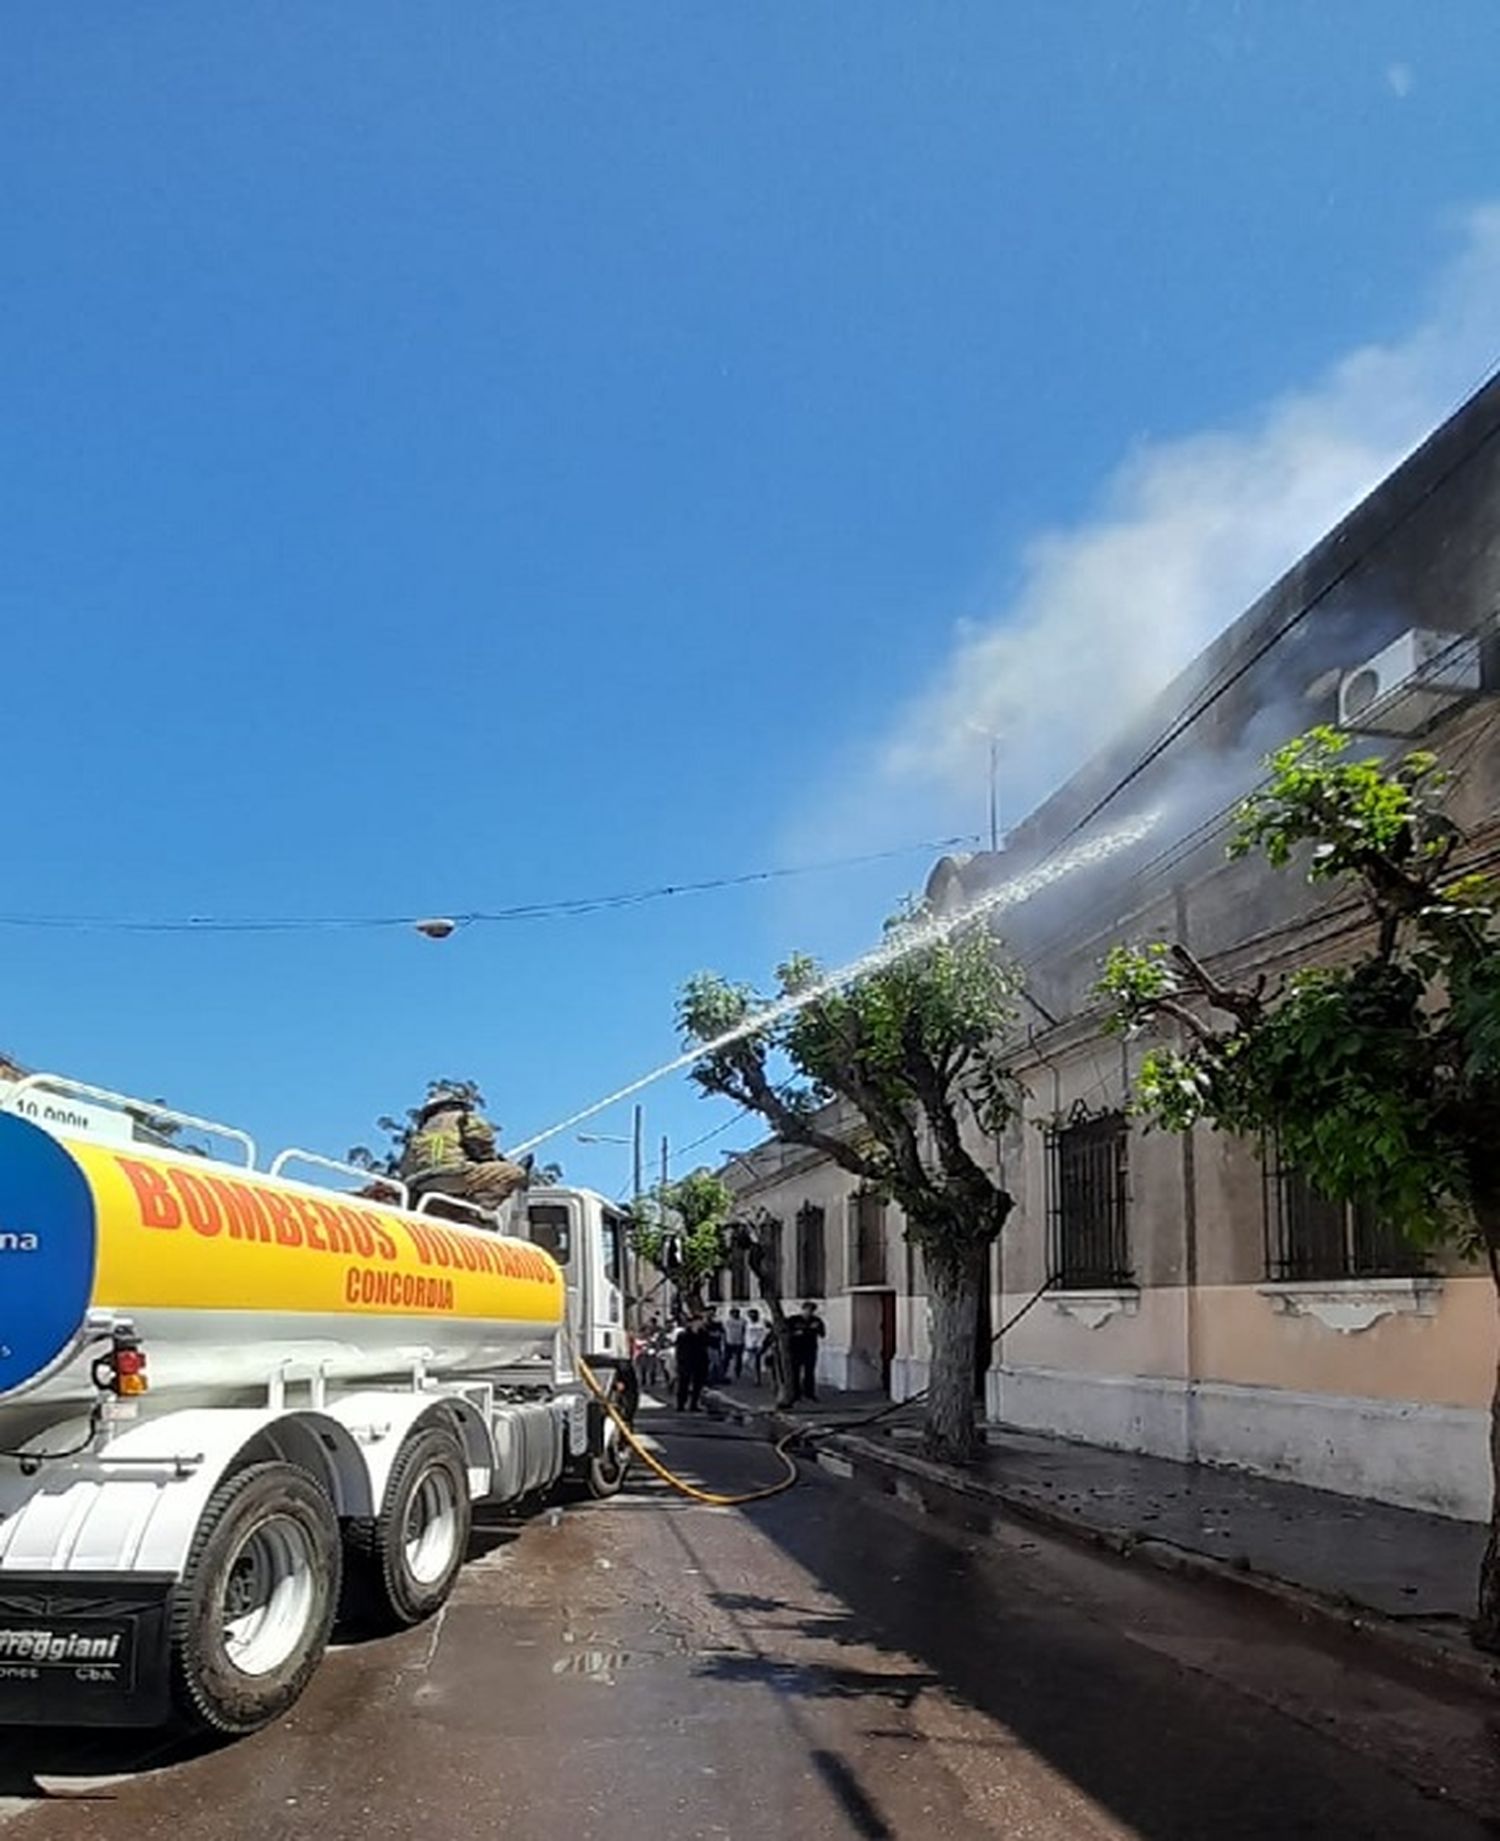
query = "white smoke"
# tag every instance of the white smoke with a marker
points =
(1185, 535)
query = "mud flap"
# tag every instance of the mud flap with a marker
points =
(84, 1650)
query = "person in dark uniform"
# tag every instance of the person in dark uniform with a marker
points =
(692, 1363)
(804, 1332)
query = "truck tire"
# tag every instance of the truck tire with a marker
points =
(605, 1474)
(404, 1560)
(625, 1391)
(252, 1612)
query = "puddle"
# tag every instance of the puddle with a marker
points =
(601, 1665)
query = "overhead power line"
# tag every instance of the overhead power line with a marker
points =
(537, 910)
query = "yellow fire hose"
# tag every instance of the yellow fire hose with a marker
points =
(780, 1447)
(710, 1497)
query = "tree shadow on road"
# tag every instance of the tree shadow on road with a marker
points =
(818, 1681)
(1170, 1753)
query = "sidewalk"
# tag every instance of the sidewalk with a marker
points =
(1341, 1556)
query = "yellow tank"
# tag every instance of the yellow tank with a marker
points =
(227, 1275)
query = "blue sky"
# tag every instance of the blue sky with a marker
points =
(463, 456)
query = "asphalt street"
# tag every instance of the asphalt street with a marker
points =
(828, 1663)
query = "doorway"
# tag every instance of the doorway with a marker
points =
(872, 1338)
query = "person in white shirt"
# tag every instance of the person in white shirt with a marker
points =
(755, 1342)
(734, 1344)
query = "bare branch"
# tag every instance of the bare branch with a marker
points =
(1244, 1005)
(751, 1087)
(1180, 1013)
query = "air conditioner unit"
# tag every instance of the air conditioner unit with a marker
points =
(1410, 683)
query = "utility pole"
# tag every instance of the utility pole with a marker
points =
(637, 1192)
(979, 728)
(673, 1294)
(638, 1173)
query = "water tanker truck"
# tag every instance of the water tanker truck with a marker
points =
(234, 1405)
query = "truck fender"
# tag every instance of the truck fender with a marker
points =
(133, 1504)
(381, 1423)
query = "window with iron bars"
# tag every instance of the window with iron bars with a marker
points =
(771, 1257)
(1088, 1238)
(1311, 1236)
(812, 1252)
(867, 1267)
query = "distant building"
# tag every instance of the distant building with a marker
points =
(1201, 1302)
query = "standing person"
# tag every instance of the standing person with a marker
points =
(734, 1345)
(692, 1363)
(716, 1347)
(648, 1352)
(755, 1342)
(806, 1330)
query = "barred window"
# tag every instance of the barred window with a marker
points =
(867, 1266)
(812, 1252)
(1311, 1236)
(1088, 1241)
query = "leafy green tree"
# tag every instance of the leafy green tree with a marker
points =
(915, 1048)
(1380, 1078)
(682, 1228)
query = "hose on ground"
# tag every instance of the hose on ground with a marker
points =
(710, 1498)
(900, 1406)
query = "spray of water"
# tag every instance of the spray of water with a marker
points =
(904, 941)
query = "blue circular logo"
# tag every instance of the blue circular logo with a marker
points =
(46, 1251)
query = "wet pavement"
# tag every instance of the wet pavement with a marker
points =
(1400, 1562)
(827, 1663)
(1397, 1561)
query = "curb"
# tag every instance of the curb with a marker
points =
(931, 1487)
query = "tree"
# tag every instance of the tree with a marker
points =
(682, 1228)
(387, 1160)
(1380, 1078)
(914, 1047)
(755, 1233)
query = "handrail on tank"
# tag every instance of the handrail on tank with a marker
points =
(490, 1216)
(143, 1110)
(294, 1154)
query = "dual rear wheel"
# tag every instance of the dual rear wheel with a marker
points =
(269, 1568)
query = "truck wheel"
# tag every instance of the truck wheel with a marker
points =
(605, 1472)
(252, 1611)
(407, 1557)
(607, 1468)
(625, 1391)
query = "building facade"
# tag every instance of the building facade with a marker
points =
(1186, 1296)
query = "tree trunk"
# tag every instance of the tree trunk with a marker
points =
(781, 1353)
(1486, 1632)
(768, 1281)
(955, 1276)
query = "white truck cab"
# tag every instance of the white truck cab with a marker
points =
(587, 1236)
